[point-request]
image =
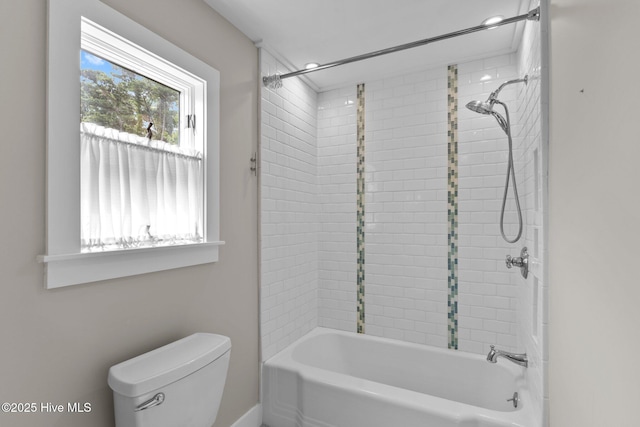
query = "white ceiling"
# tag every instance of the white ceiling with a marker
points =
(323, 31)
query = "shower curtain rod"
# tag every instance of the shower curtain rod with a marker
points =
(275, 79)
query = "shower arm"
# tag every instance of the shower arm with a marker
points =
(493, 98)
(275, 79)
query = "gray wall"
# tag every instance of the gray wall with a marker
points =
(594, 213)
(56, 346)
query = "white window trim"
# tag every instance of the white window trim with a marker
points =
(65, 264)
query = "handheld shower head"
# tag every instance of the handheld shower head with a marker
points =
(486, 107)
(504, 123)
(480, 107)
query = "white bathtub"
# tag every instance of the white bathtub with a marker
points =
(331, 378)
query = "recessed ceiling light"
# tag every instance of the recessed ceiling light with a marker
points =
(311, 65)
(492, 21)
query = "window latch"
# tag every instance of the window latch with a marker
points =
(191, 121)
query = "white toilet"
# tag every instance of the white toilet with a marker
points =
(178, 385)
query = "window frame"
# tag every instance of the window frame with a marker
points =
(65, 264)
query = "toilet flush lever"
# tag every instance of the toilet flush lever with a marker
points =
(154, 401)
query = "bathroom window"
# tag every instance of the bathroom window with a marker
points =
(141, 174)
(132, 149)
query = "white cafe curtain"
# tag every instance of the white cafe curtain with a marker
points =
(136, 192)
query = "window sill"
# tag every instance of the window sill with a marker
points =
(74, 269)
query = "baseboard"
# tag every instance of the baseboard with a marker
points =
(252, 418)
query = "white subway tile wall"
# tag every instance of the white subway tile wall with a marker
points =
(337, 208)
(406, 214)
(406, 207)
(290, 222)
(487, 291)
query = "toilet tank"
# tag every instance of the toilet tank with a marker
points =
(179, 384)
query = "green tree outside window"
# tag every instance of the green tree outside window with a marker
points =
(117, 98)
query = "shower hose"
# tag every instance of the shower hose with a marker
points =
(511, 175)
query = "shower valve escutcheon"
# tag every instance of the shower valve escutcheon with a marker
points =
(522, 261)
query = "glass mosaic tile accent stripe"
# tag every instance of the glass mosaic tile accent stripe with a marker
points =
(452, 205)
(360, 208)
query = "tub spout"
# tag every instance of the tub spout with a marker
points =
(519, 359)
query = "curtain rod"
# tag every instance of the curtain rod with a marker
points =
(274, 81)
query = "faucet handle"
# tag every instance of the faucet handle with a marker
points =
(522, 261)
(509, 261)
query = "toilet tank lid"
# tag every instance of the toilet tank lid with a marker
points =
(166, 364)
